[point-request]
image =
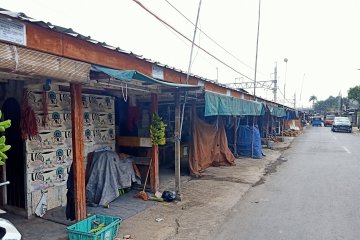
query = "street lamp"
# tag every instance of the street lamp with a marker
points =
(285, 60)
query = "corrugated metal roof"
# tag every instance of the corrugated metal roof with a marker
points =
(23, 17)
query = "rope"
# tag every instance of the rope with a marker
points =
(125, 97)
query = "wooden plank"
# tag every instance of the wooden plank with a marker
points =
(215, 88)
(61, 44)
(154, 172)
(177, 146)
(126, 141)
(39, 38)
(78, 151)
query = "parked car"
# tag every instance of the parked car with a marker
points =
(329, 119)
(341, 124)
(316, 121)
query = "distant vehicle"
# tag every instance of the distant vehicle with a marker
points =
(341, 124)
(329, 119)
(316, 121)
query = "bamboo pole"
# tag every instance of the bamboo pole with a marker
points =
(177, 146)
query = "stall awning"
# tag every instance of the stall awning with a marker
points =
(277, 111)
(129, 75)
(218, 104)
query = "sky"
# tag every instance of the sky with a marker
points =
(319, 38)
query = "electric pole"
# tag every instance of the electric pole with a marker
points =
(275, 83)
(285, 60)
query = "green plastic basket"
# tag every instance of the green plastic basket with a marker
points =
(81, 230)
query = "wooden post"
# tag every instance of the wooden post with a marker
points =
(154, 173)
(267, 134)
(177, 146)
(235, 135)
(78, 151)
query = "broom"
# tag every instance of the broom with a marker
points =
(142, 194)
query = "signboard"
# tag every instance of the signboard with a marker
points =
(157, 72)
(12, 31)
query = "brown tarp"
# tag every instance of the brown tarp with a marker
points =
(209, 146)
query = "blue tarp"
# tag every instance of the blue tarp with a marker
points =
(244, 142)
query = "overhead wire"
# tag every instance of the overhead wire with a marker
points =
(181, 34)
(285, 100)
(186, 43)
(211, 39)
(197, 52)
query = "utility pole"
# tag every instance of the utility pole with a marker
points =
(257, 48)
(275, 83)
(285, 60)
(217, 74)
(255, 74)
(302, 83)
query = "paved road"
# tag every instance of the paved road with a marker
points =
(314, 195)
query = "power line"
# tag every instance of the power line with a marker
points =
(181, 34)
(211, 39)
(285, 100)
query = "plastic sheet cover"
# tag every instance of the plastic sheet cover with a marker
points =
(108, 174)
(218, 104)
(277, 112)
(244, 142)
(209, 146)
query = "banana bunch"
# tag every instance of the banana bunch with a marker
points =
(3, 147)
(4, 125)
(157, 130)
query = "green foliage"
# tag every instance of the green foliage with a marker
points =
(354, 93)
(157, 130)
(3, 147)
(330, 104)
(313, 98)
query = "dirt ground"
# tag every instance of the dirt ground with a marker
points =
(207, 200)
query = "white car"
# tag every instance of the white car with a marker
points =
(342, 124)
(8, 231)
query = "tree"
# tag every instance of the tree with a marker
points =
(331, 104)
(313, 98)
(354, 93)
(345, 103)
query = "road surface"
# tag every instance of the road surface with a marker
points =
(314, 195)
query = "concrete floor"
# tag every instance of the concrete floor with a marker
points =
(313, 196)
(55, 221)
(207, 201)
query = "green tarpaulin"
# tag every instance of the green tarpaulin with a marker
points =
(128, 75)
(217, 104)
(277, 112)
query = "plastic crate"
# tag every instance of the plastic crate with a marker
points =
(81, 230)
